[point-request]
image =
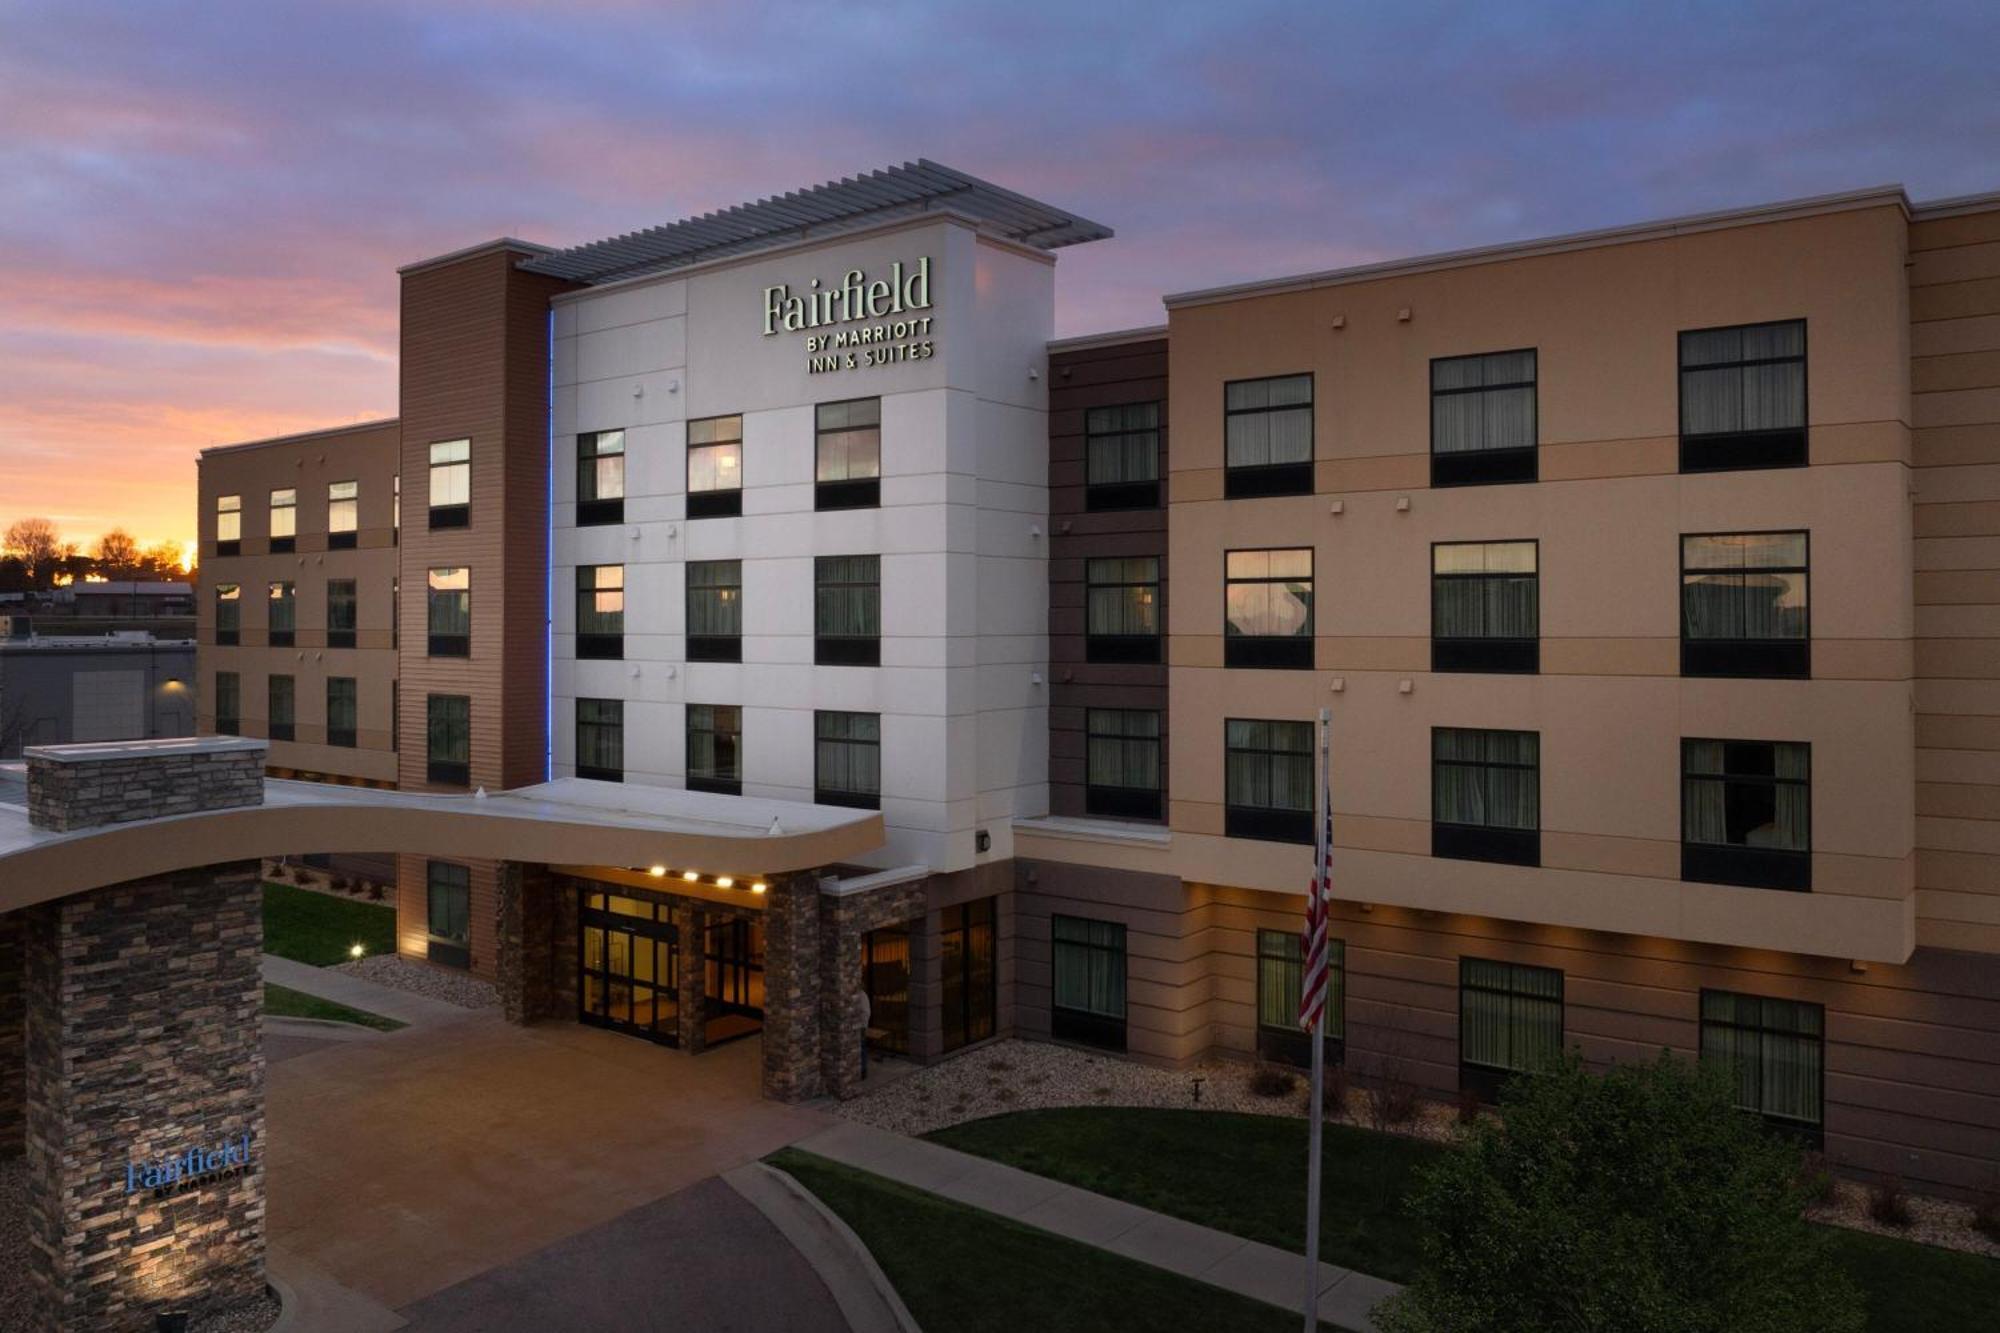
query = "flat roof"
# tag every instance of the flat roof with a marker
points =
(302, 436)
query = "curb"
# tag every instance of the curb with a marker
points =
(829, 1245)
(288, 1303)
(320, 1027)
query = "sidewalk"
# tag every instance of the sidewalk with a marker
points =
(1247, 1267)
(359, 993)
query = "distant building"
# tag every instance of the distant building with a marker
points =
(59, 688)
(133, 597)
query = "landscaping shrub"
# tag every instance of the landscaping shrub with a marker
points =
(1888, 1203)
(1986, 1212)
(1394, 1100)
(1816, 1178)
(1468, 1106)
(1271, 1081)
(1639, 1200)
(376, 893)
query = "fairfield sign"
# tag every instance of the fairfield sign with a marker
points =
(192, 1169)
(882, 315)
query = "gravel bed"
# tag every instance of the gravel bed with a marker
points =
(249, 1317)
(1014, 1075)
(438, 983)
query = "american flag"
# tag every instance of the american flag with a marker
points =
(1313, 943)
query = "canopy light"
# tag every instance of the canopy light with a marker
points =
(657, 871)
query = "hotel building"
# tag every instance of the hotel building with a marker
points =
(1651, 578)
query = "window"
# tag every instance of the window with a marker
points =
(1744, 609)
(715, 748)
(847, 454)
(284, 519)
(343, 514)
(600, 477)
(1122, 763)
(715, 610)
(342, 711)
(1268, 609)
(1087, 982)
(281, 710)
(1777, 1051)
(1485, 607)
(1483, 426)
(448, 896)
(969, 980)
(715, 467)
(396, 506)
(1486, 795)
(449, 736)
(1746, 813)
(1121, 457)
(600, 611)
(228, 524)
(600, 739)
(341, 613)
(1743, 397)
(228, 704)
(1268, 436)
(282, 617)
(449, 614)
(228, 613)
(1280, 977)
(1268, 780)
(1122, 610)
(886, 966)
(847, 610)
(451, 484)
(847, 759)
(1510, 1021)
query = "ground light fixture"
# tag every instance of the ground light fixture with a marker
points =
(356, 949)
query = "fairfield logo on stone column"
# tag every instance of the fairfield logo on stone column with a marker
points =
(196, 1166)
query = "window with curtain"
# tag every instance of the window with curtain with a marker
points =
(1510, 1021)
(281, 707)
(969, 990)
(449, 611)
(1268, 780)
(847, 759)
(715, 748)
(715, 467)
(342, 613)
(1485, 606)
(847, 454)
(600, 739)
(228, 524)
(449, 733)
(1486, 795)
(1777, 1051)
(847, 610)
(1483, 418)
(1744, 608)
(1087, 981)
(228, 613)
(228, 703)
(284, 519)
(451, 484)
(342, 711)
(887, 964)
(343, 514)
(715, 610)
(1122, 763)
(1121, 448)
(600, 611)
(600, 477)
(1743, 397)
(1280, 976)
(448, 918)
(282, 612)
(1122, 609)
(1268, 436)
(1746, 813)
(1268, 608)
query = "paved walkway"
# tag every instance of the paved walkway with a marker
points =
(360, 993)
(1262, 1272)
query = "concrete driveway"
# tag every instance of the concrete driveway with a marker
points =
(401, 1166)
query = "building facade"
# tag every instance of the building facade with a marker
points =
(1645, 576)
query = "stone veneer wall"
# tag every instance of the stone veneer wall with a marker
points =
(142, 1015)
(526, 961)
(84, 786)
(791, 988)
(844, 922)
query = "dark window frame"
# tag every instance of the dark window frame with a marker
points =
(1090, 1027)
(342, 539)
(863, 650)
(1488, 654)
(599, 645)
(1107, 497)
(1256, 481)
(714, 502)
(825, 795)
(447, 644)
(1747, 658)
(343, 637)
(288, 542)
(1124, 648)
(1810, 1132)
(1123, 802)
(446, 947)
(230, 635)
(1478, 1077)
(1504, 844)
(1741, 451)
(1292, 1044)
(1269, 823)
(343, 737)
(1786, 869)
(593, 510)
(960, 929)
(598, 772)
(287, 728)
(711, 647)
(851, 492)
(229, 723)
(454, 515)
(1272, 652)
(447, 771)
(726, 786)
(228, 545)
(1486, 467)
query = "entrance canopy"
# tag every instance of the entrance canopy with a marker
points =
(573, 821)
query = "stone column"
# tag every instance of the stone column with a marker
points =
(845, 920)
(13, 1041)
(525, 962)
(690, 923)
(145, 1099)
(791, 988)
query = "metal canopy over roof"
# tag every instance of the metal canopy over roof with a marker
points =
(877, 196)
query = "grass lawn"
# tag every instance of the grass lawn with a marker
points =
(1174, 1162)
(319, 928)
(1170, 1161)
(288, 1003)
(972, 1272)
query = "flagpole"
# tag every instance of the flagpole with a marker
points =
(1321, 881)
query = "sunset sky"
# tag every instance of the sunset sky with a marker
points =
(204, 204)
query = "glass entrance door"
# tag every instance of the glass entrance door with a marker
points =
(733, 987)
(889, 989)
(628, 978)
